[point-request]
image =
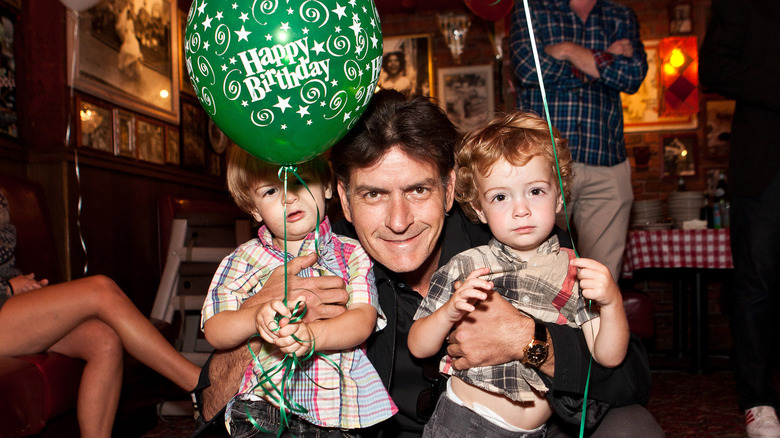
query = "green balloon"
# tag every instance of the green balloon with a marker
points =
(285, 80)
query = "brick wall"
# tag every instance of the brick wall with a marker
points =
(647, 182)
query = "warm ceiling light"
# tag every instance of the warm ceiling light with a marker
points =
(164, 94)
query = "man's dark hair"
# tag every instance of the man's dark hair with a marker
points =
(416, 126)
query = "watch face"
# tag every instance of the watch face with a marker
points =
(535, 353)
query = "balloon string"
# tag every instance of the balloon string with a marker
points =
(75, 149)
(537, 63)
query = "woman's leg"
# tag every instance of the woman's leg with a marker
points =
(34, 321)
(101, 382)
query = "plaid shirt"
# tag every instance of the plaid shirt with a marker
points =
(544, 287)
(588, 112)
(357, 400)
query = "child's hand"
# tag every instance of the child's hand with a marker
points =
(281, 333)
(596, 282)
(467, 293)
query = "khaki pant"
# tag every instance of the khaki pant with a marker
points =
(599, 209)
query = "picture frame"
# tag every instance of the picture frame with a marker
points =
(172, 146)
(679, 155)
(149, 140)
(94, 125)
(116, 66)
(407, 64)
(124, 133)
(185, 85)
(680, 20)
(16, 4)
(8, 109)
(719, 115)
(641, 110)
(711, 176)
(193, 136)
(466, 94)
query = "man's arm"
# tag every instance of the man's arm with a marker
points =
(496, 333)
(555, 72)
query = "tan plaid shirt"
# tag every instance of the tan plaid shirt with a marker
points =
(544, 287)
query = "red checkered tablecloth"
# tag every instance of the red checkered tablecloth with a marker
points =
(709, 249)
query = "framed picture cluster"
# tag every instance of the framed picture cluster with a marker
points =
(123, 133)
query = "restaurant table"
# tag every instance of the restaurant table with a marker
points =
(691, 252)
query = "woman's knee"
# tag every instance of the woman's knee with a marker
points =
(105, 289)
(102, 340)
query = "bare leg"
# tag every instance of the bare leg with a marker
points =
(34, 321)
(101, 382)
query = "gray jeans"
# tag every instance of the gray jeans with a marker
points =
(267, 416)
(451, 420)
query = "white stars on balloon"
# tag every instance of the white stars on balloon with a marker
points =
(244, 16)
(303, 111)
(284, 127)
(285, 26)
(318, 47)
(282, 104)
(269, 37)
(242, 34)
(340, 11)
(202, 8)
(374, 41)
(352, 3)
(224, 67)
(308, 122)
(206, 45)
(219, 16)
(207, 22)
(244, 103)
(305, 30)
(235, 5)
(347, 115)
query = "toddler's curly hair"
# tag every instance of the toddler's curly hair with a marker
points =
(515, 137)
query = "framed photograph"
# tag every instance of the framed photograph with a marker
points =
(127, 55)
(712, 175)
(185, 85)
(407, 65)
(94, 126)
(720, 114)
(193, 136)
(124, 133)
(680, 21)
(679, 152)
(8, 111)
(149, 140)
(641, 110)
(172, 145)
(466, 94)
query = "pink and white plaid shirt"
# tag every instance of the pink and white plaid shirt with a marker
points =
(356, 400)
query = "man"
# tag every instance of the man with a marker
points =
(589, 51)
(736, 62)
(395, 173)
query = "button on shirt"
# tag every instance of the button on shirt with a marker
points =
(588, 112)
(544, 287)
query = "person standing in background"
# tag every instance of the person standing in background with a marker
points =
(737, 61)
(589, 53)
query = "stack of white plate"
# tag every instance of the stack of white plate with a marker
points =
(685, 206)
(647, 212)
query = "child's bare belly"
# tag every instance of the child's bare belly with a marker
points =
(526, 415)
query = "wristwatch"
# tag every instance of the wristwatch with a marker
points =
(535, 353)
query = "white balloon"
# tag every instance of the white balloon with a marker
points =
(79, 5)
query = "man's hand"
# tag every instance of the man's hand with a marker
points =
(493, 334)
(577, 55)
(621, 47)
(325, 297)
